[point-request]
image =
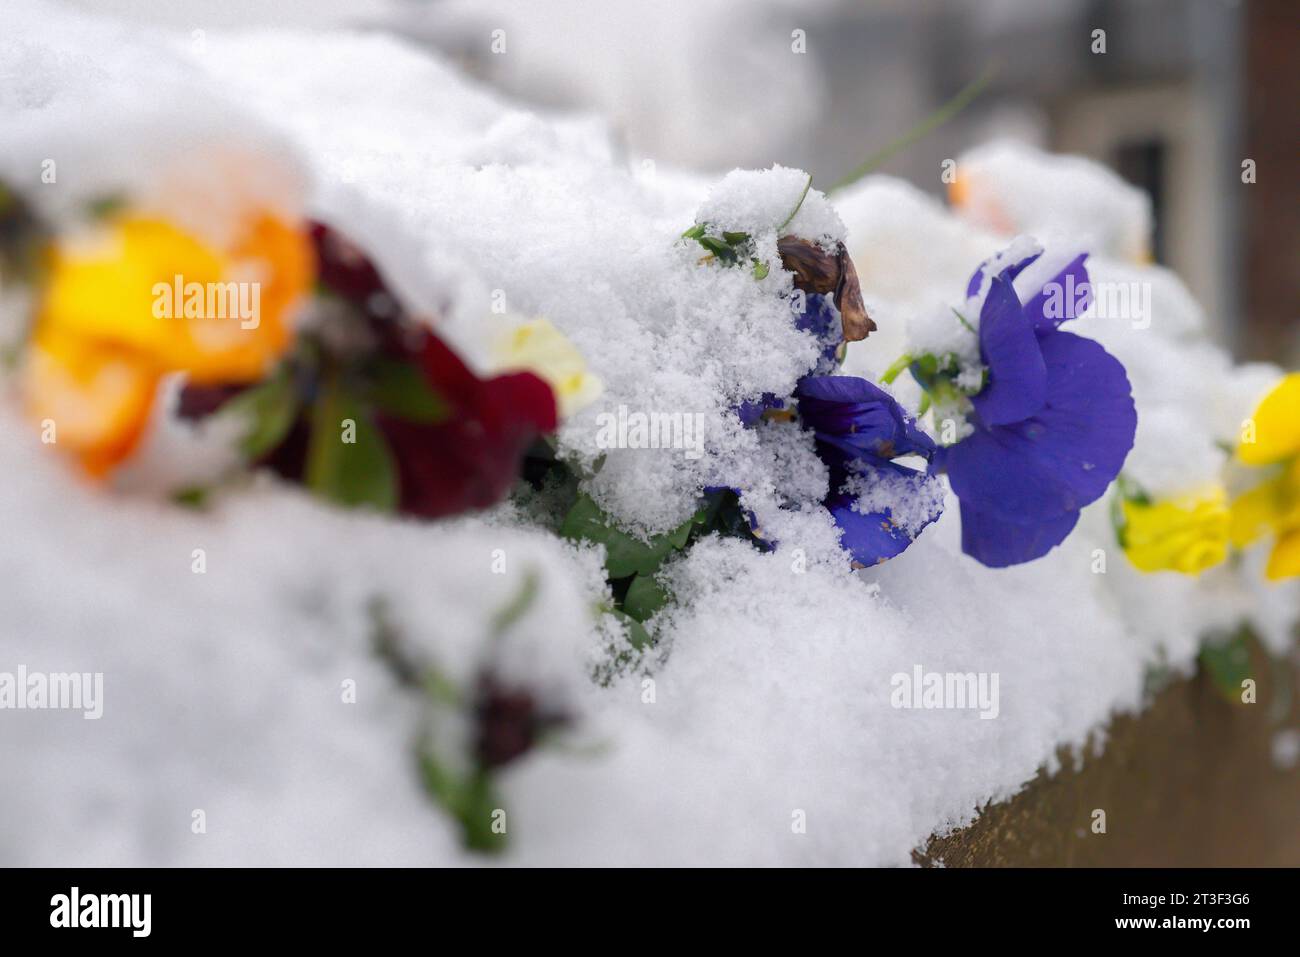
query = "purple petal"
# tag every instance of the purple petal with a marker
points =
(993, 541)
(1066, 297)
(1090, 417)
(1017, 382)
(841, 389)
(751, 410)
(1009, 272)
(870, 539)
(874, 537)
(822, 319)
(859, 417)
(999, 470)
(1066, 455)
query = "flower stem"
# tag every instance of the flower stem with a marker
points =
(892, 373)
(936, 119)
(797, 206)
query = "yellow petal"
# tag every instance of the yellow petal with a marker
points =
(145, 286)
(137, 298)
(1258, 511)
(1187, 534)
(271, 267)
(95, 404)
(540, 348)
(1272, 434)
(105, 286)
(1284, 562)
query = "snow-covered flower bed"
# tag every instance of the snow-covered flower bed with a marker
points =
(549, 509)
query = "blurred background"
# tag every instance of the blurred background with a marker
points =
(1184, 93)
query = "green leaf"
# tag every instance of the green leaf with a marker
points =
(401, 390)
(719, 248)
(518, 606)
(892, 373)
(439, 783)
(1228, 664)
(471, 800)
(193, 497)
(735, 239)
(644, 597)
(357, 472)
(624, 555)
(270, 410)
(681, 535)
(695, 232)
(760, 269)
(723, 515)
(104, 207)
(637, 635)
(1131, 490)
(479, 802)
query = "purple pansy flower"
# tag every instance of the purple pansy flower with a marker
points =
(822, 319)
(1052, 425)
(879, 505)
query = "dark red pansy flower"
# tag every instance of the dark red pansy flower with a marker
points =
(471, 457)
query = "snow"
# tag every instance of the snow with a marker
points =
(223, 690)
(912, 276)
(770, 689)
(769, 200)
(910, 500)
(1012, 188)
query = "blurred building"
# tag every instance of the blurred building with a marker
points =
(1184, 93)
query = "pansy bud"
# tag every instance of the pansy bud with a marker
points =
(509, 722)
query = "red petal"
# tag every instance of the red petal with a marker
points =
(449, 377)
(472, 460)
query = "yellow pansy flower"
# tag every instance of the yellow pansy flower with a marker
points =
(137, 298)
(1186, 534)
(1272, 434)
(538, 347)
(1271, 438)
